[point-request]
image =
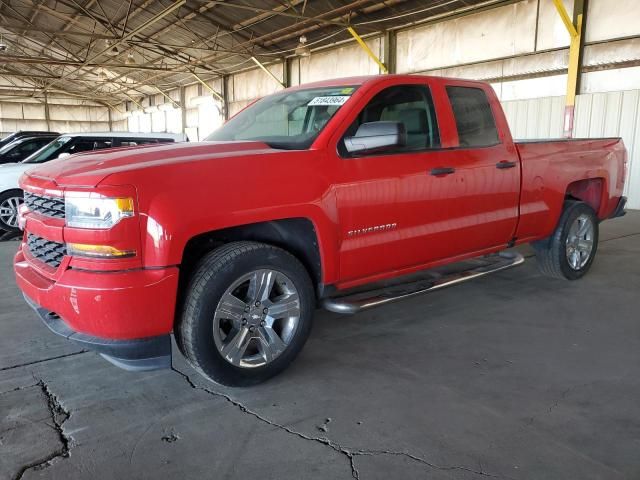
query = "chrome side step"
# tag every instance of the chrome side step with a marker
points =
(357, 302)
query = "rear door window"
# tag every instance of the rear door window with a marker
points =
(80, 145)
(473, 115)
(102, 143)
(134, 142)
(85, 144)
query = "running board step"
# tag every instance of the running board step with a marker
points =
(357, 302)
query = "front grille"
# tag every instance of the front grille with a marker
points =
(45, 205)
(46, 251)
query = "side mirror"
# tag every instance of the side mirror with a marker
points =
(63, 155)
(374, 136)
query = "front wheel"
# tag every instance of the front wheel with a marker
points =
(247, 313)
(570, 251)
(10, 202)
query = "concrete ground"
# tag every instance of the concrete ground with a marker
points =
(511, 376)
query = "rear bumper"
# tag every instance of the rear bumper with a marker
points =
(620, 211)
(137, 354)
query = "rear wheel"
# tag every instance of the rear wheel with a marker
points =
(247, 313)
(570, 251)
(10, 202)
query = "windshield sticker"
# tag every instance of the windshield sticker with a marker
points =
(329, 101)
(347, 91)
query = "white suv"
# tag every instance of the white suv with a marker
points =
(61, 147)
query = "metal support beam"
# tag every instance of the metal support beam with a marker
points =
(138, 104)
(225, 93)
(206, 85)
(171, 100)
(183, 110)
(286, 72)
(170, 9)
(576, 33)
(267, 71)
(47, 115)
(365, 47)
(564, 16)
(390, 50)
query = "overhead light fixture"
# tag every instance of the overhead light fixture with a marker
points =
(302, 50)
(130, 59)
(113, 51)
(3, 46)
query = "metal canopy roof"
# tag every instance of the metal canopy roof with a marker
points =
(68, 45)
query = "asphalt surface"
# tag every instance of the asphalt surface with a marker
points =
(510, 376)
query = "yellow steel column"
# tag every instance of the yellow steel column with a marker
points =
(572, 79)
(574, 27)
(366, 48)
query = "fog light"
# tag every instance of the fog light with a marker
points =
(22, 220)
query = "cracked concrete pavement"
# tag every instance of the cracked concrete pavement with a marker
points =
(513, 376)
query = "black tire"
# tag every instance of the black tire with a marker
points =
(216, 272)
(552, 254)
(5, 199)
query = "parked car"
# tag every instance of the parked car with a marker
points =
(24, 133)
(23, 147)
(334, 194)
(62, 147)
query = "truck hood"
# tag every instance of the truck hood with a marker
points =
(89, 169)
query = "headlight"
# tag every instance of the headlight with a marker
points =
(90, 210)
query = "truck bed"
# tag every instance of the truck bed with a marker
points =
(582, 167)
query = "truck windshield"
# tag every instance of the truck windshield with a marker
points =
(47, 152)
(289, 120)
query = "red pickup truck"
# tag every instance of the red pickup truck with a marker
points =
(344, 194)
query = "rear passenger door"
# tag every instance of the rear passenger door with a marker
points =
(484, 172)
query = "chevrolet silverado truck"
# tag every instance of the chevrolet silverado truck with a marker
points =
(343, 194)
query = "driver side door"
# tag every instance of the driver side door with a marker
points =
(387, 201)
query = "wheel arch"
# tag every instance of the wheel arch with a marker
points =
(12, 190)
(297, 235)
(591, 191)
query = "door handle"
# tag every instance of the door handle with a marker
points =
(505, 164)
(440, 171)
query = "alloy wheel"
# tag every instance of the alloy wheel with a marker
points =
(9, 209)
(256, 318)
(579, 244)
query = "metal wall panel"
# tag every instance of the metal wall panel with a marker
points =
(344, 61)
(610, 114)
(536, 117)
(609, 18)
(496, 33)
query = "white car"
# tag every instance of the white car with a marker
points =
(61, 147)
